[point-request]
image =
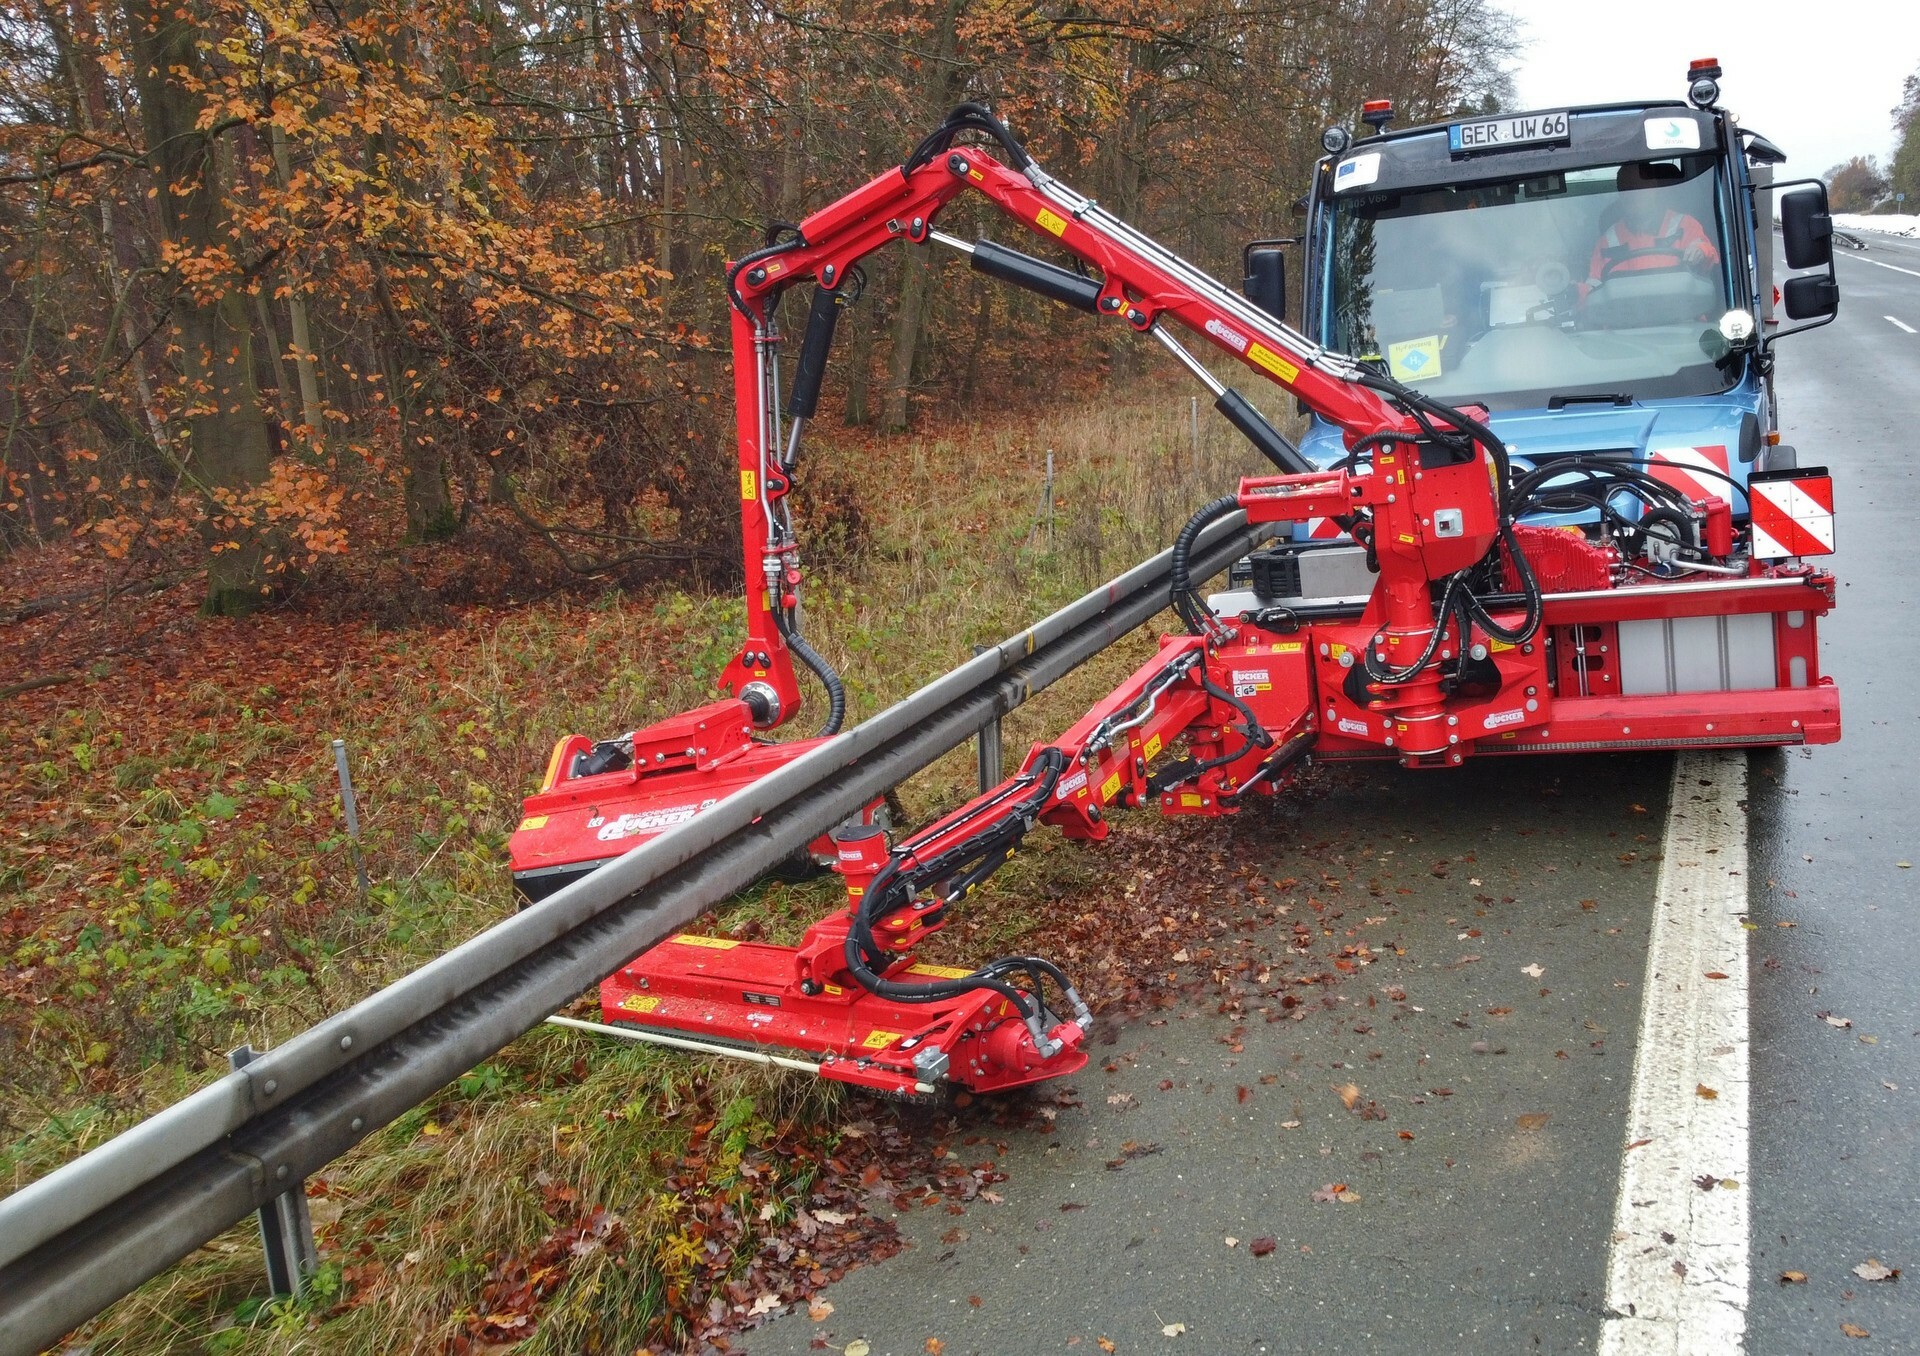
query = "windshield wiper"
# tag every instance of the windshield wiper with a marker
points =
(1560, 402)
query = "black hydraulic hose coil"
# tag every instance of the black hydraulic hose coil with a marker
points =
(813, 659)
(1185, 602)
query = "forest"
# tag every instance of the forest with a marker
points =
(286, 288)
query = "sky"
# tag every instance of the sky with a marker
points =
(1817, 82)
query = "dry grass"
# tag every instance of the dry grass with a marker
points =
(125, 996)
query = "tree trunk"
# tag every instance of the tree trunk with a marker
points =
(227, 453)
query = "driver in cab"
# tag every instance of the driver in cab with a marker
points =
(1649, 235)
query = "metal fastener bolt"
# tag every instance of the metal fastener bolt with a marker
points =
(1532, 691)
(1532, 705)
(1453, 720)
(358, 1124)
(827, 275)
(281, 1172)
(273, 1086)
(346, 1042)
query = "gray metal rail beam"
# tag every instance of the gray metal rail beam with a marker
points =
(90, 1232)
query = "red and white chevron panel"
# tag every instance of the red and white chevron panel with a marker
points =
(1323, 529)
(1680, 467)
(1792, 517)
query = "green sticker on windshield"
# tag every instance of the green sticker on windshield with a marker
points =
(1415, 359)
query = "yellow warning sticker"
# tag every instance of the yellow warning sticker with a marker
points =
(1047, 221)
(1110, 787)
(880, 1040)
(976, 176)
(939, 971)
(1415, 359)
(1289, 647)
(1189, 801)
(1497, 646)
(832, 990)
(1153, 747)
(532, 822)
(711, 943)
(640, 1002)
(1265, 357)
(747, 483)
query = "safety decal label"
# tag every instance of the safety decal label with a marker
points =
(1273, 362)
(747, 483)
(1694, 471)
(640, 1002)
(1792, 517)
(1189, 801)
(532, 822)
(1289, 647)
(1047, 221)
(1672, 134)
(1415, 359)
(711, 943)
(1152, 747)
(938, 971)
(880, 1040)
(1358, 172)
(1248, 682)
(1110, 788)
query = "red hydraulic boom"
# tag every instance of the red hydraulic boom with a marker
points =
(1481, 634)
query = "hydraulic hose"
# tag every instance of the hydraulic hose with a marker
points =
(1188, 604)
(813, 659)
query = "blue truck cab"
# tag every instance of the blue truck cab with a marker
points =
(1601, 279)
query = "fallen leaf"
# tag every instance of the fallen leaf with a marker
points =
(1119, 1098)
(1330, 1192)
(1904, 866)
(831, 1217)
(819, 1309)
(935, 1346)
(1873, 1270)
(1261, 1247)
(1702, 1090)
(1890, 1087)
(432, 1128)
(1289, 1125)
(1406, 1134)
(1706, 1181)
(1842, 1022)
(1349, 1094)
(1715, 974)
(1105, 1344)
(1852, 1329)
(1173, 1330)
(764, 1304)
(1231, 1241)
(1793, 1278)
(859, 1346)
(1532, 1120)
(1536, 970)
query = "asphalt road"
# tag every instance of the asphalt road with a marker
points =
(1490, 1044)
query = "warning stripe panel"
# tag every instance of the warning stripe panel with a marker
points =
(1792, 517)
(1676, 466)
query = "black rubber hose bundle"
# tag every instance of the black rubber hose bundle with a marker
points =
(813, 659)
(893, 888)
(1188, 604)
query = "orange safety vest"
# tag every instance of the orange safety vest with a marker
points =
(1615, 251)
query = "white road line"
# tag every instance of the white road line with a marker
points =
(1901, 324)
(1877, 264)
(1677, 1271)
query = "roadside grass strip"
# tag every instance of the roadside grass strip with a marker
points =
(1678, 1266)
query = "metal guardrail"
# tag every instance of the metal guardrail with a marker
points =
(91, 1231)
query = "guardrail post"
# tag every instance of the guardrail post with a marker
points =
(350, 805)
(987, 742)
(286, 1230)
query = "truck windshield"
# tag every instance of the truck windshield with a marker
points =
(1604, 279)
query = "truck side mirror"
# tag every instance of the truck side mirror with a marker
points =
(1813, 295)
(1807, 227)
(1266, 280)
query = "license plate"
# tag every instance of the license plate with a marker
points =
(1499, 134)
